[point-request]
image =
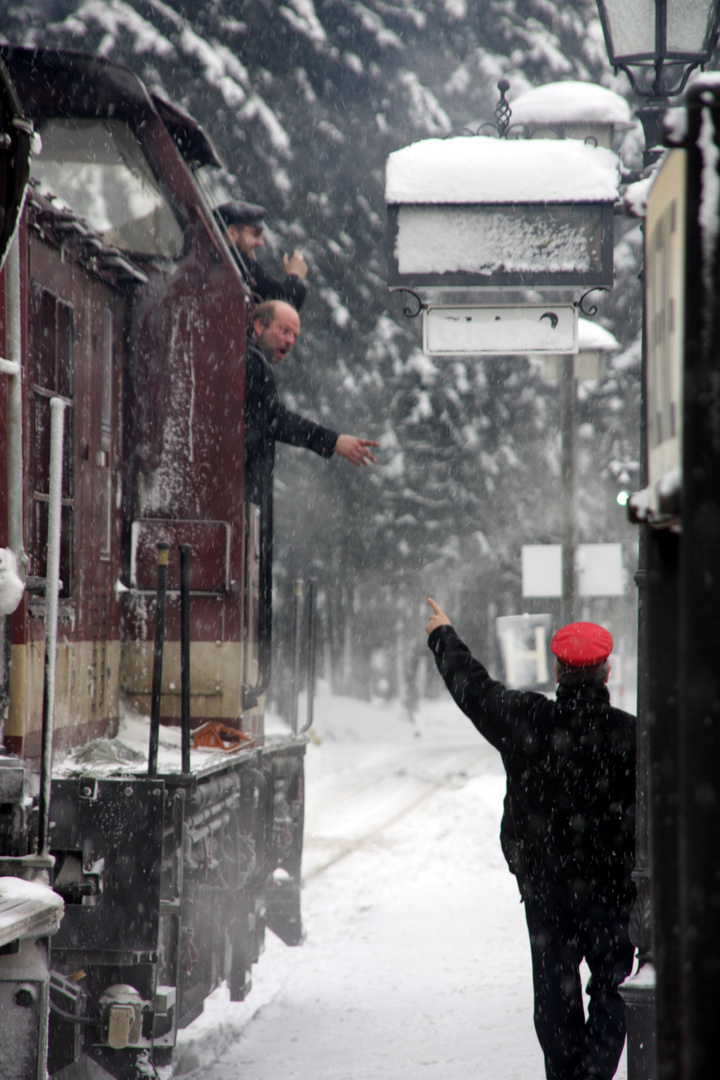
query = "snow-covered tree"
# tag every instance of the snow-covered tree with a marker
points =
(304, 100)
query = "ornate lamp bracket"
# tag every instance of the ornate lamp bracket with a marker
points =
(591, 311)
(408, 311)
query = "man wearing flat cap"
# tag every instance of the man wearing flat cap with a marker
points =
(242, 224)
(567, 833)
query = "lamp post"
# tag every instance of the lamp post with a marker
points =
(657, 45)
(594, 115)
(594, 344)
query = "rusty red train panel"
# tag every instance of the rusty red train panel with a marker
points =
(137, 322)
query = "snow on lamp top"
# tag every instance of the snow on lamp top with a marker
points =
(593, 336)
(476, 169)
(572, 103)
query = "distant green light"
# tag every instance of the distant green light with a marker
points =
(623, 497)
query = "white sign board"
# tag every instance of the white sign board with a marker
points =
(541, 569)
(512, 328)
(599, 570)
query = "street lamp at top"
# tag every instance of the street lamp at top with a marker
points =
(664, 40)
(659, 36)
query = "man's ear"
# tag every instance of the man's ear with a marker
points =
(257, 329)
(607, 673)
(234, 233)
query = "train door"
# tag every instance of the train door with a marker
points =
(71, 355)
(98, 543)
(51, 364)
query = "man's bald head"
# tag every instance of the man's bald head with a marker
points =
(276, 327)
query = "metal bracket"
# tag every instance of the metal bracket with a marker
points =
(590, 312)
(408, 311)
(658, 91)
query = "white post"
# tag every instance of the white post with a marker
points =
(12, 368)
(52, 588)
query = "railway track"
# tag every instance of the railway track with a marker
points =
(347, 811)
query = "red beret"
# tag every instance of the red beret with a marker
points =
(581, 645)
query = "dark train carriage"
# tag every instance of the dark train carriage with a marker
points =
(132, 313)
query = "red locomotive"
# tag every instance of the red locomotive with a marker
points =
(131, 315)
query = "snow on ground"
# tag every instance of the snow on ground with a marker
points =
(416, 960)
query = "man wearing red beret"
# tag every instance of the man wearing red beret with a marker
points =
(567, 833)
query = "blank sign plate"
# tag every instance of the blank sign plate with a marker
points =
(483, 331)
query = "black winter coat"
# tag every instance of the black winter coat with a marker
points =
(569, 814)
(267, 421)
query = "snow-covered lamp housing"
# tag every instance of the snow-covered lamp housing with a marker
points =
(468, 216)
(573, 110)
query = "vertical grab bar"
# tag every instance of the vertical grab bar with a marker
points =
(185, 550)
(57, 420)
(296, 645)
(14, 463)
(11, 367)
(162, 550)
(312, 635)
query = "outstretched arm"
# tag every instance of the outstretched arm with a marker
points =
(499, 714)
(355, 450)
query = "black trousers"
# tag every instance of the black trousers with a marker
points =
(564, 929)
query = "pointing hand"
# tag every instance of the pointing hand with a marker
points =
(355, 450)
(438, 618)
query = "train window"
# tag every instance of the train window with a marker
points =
(216, 184)
(51, 352)
(99, 170)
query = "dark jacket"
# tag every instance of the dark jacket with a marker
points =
(265, 287)
(268, 421)
(570, 763)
